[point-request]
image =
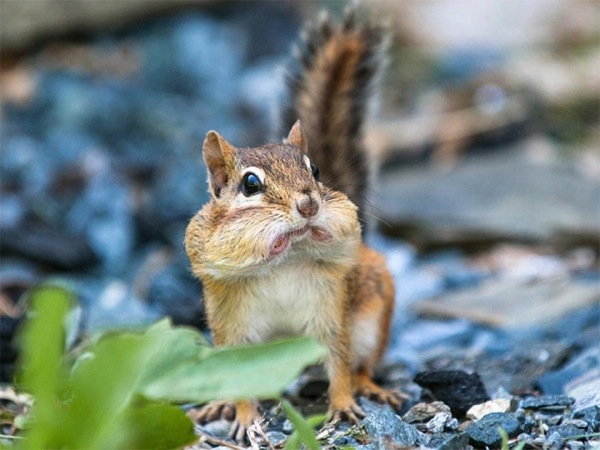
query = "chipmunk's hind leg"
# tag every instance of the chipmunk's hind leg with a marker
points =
(364, 386)
(371, 321)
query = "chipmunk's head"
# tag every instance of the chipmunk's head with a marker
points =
(267, 207)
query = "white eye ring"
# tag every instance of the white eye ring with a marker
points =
(307, 162)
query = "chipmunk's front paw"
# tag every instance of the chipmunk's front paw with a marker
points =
(367, 388)
(352, 413)
(214, 411)
(244, 413)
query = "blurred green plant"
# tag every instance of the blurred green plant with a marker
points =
(505, 444)
(303, 433)
(119, 392)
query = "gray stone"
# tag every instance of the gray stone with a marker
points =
(456, 442)
(575, 445)
(386, 429)
(554, 382)
(219, 428)
(423, 412)
(557, 435)
(585, 389)
(456, 388)
(505, 196)
(513, 304)
(30, 22)
(591, 416)
(485, 432)
(547, 402)
(276, 438)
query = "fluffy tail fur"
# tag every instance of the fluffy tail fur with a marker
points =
(329, 84)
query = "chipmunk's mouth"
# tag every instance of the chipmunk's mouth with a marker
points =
(282, 242)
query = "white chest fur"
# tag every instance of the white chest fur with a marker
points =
(292, 300)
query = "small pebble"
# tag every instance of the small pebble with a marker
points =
(287, 427)
(438, 423)
(547, 402)
(575, 445)
(485, 431)
(453, 424)
(276, 438)
(456, 388)
(554, 441)
(218, 428)
(578, 423)
(555, 420)
(422, 412)
(476, 412)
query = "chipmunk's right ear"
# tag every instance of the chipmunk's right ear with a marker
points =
(296, 137)
(219, 157)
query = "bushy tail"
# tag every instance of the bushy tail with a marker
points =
(329, 83)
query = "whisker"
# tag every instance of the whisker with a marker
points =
(377, 218)
(342, 170)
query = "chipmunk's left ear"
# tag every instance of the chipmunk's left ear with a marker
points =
(297, 137)
(219, 157)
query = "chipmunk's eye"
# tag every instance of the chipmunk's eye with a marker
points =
(315, 171)
(251, 184)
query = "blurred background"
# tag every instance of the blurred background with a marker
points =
(487, 133)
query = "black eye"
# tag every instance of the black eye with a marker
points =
(315, 171)
(251, 184)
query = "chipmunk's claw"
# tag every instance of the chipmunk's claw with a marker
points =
(215, 411)
(238, 431)
(244, 413)
(352, 414)
(391, 397)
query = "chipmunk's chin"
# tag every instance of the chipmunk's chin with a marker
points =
(281, 243)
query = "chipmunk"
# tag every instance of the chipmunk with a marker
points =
(278, 247)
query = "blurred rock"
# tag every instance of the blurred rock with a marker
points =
(110, 304)
(387, 430)
(177, 193)
(449, 441)
(104, 215)
(483, 200)
(422, 412)
(556, 381)
(195, 55)
(31, 22)
(499, 405)
(174, 292)
(457, 389)
(547, 402)
(513, 304)
(484, 433)
(584, 389)
(591, 415)
(57, 248)
(557, 435)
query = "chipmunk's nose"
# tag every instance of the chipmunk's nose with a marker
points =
(307, 206)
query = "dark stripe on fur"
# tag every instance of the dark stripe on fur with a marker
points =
(329, 84)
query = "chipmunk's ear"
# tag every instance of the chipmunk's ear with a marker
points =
(219, 156)
(296, 137)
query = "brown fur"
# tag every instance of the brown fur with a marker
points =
(286, 258)
(329, 83)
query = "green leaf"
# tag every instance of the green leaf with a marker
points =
(109, 397)
(304, 432)
(158, 426)
(42, 342)
(256, 371)
(108, 378)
